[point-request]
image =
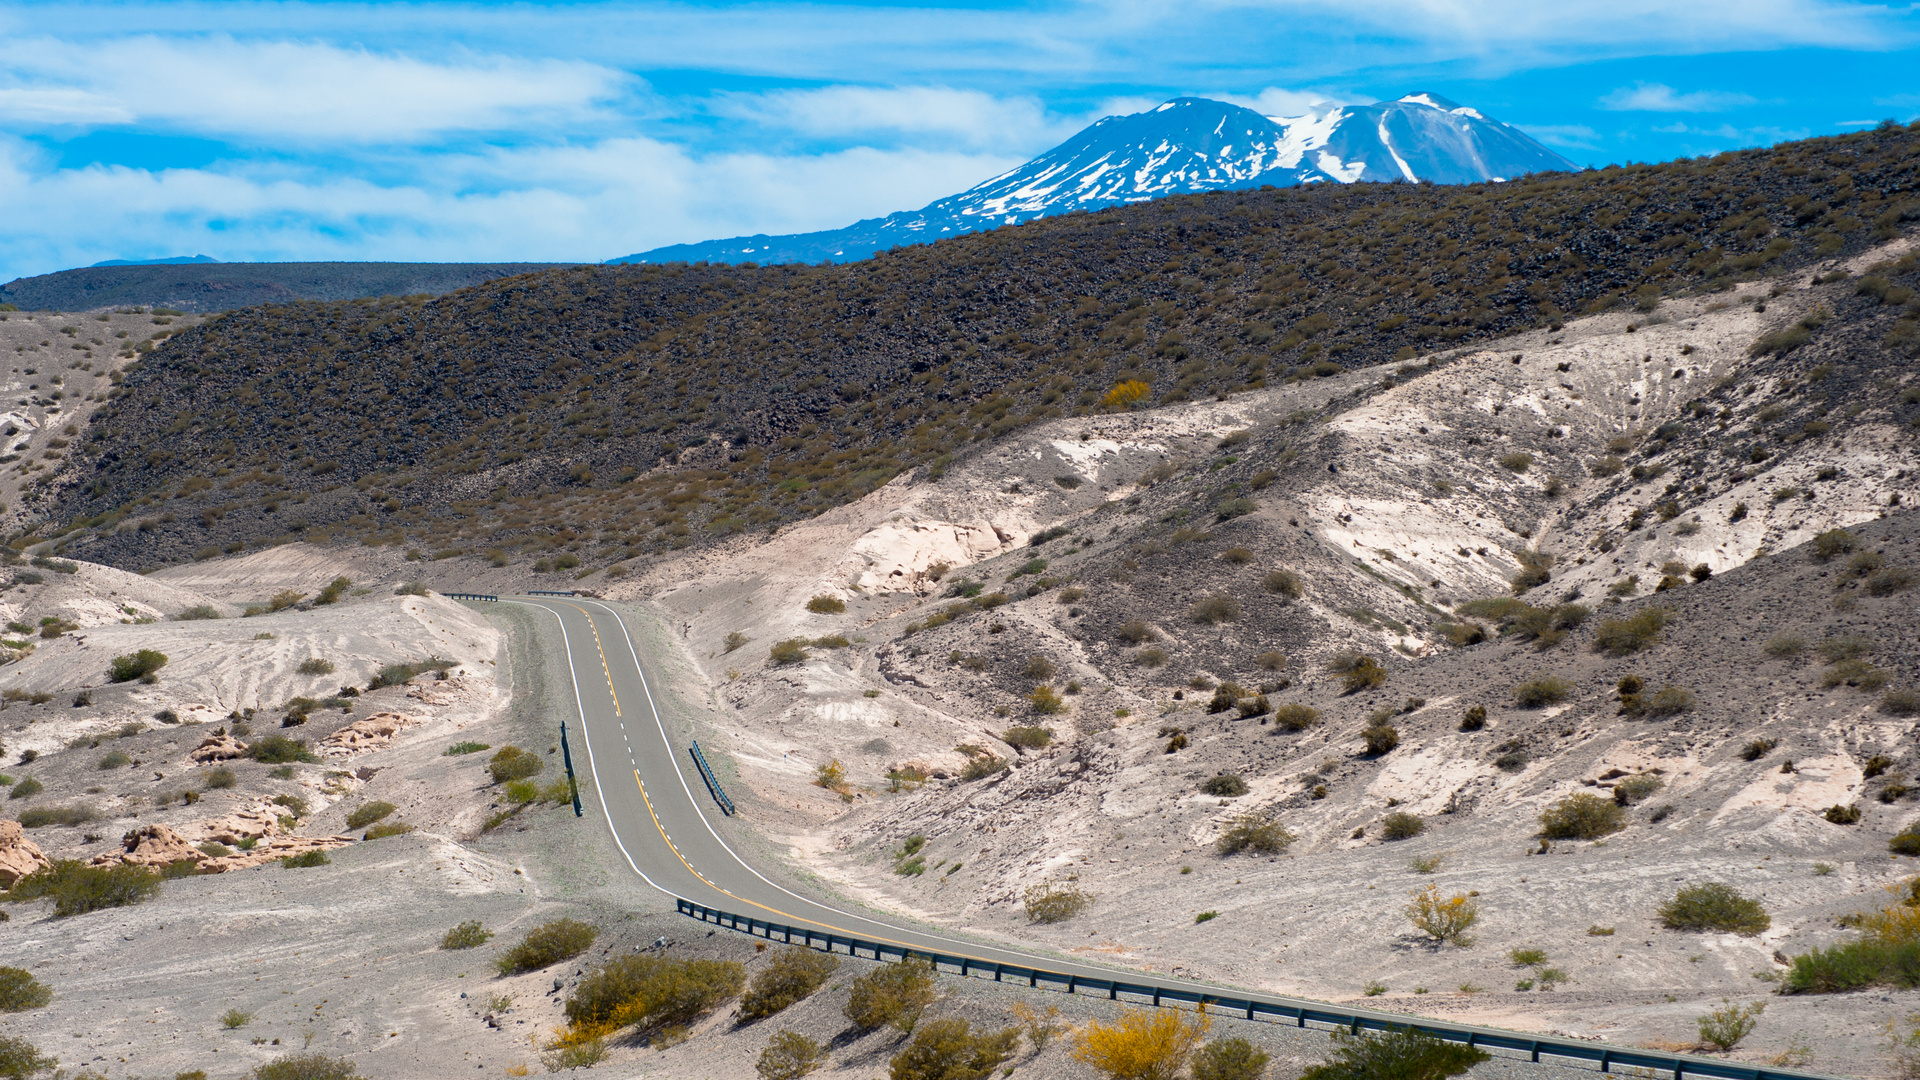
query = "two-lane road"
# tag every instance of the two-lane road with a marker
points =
(660, 814)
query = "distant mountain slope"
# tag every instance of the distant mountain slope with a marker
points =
(215, 286)
(175, 260)
(1184, 146)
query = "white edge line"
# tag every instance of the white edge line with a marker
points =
(695, 803)
(599, 789)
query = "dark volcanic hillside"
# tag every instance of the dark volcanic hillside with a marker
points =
(620, 411)
(204, 287)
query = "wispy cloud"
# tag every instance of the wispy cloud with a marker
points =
(280, 91)
(1658, 97)
(970, 119)
(1570, 136)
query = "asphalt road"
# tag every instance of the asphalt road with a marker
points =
(662, 819)
(662, 816)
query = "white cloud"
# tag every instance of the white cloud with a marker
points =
(956, 118)
(1571, 136)
(565, 203)
(1658, 97)
(283, 91)
(1280, 101)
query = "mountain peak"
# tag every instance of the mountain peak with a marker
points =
(1182, 146)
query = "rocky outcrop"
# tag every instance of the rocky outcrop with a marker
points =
(369, 734)
(19, 856)
(220, 747)
(154, 846)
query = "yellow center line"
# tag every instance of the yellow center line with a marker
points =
(603, 657)
(664, 838)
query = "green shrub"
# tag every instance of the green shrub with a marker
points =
(1046, 701)
(1215, 609)
(826, 604)
(1253, 832)
(218, 778)
(735, 639)
(1714, 906)
(235, 1018)
(1284, 583)
(894, 994)
(1758, 749)
(20, 1060)
(789, 1056)
(513, 763)
(369, 812)
(1357, 672)
(1051, 903)
(1906, 841)
(26, 789)
(198, 612)
(307, 1065)
(1295, 717)
(790, 651)
(1582, 816)
(466, 935)
(1541, 692)
(949, 1049)
(1225, 786)
(790, 976)
(113, 759)
(20, 991)
(279, 750)
(333, 591)
(1624, 637)
(1670, 701)
(1632, 789)
(1401, 825)
(1724, 1028)
(1400, 1054)
(1380, 738)
(1519, 461)
(1474, 719)
(1229, 1059)
(306, 860)
(1900, 703)
(651, 991)
(1028, 738)
(136, 665)
(42, 816)
(1785, 646)
(386, 829)
(315, 665)
(1833, 542)
(465, 748)
(1855, 965)
(562, 939)
(77, 888)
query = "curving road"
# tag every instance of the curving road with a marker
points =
(659, 811)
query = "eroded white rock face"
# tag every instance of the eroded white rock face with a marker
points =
(897, 556)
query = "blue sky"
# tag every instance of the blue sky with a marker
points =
(577, 132)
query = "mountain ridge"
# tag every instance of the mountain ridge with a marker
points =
(1183, 146)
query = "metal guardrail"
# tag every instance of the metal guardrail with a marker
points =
(713, 782)
(550, 592)
(1299, 1014)
(471, 596)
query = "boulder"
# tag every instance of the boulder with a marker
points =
(218, 748)
(19, 856)
(369, 734)
(153, 846)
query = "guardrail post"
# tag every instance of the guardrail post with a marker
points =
(1678, 1068)
(1535, 1047)
(996, 973)
(1356, 1026)
(1604, 1056)
(1070, 984)
(566, 757)
(1156, 997)
(1113, 990)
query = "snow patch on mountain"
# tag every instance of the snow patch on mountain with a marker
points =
(1180, 147)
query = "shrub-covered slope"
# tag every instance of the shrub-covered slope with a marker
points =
(622, 411)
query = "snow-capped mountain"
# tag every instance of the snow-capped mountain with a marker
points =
(1185, 145)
